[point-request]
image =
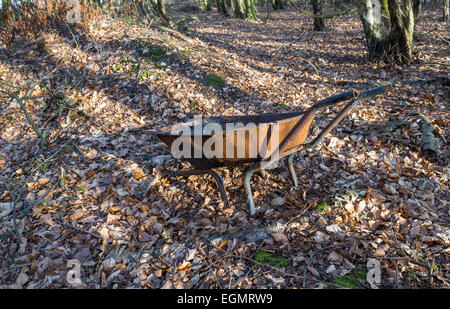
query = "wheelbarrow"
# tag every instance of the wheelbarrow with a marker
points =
(233, 138)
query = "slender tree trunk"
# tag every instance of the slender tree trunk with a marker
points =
(417, 9)
(250, 10)
(239, 10)
(446, 14)
(319, 23)
(206, 4)
(278, 4)
(230, 5)
(401, 36)
(268, 9)
(222, 8)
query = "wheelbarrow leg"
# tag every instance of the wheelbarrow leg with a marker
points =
(292, 169)
(216, 176)
(248, 189)
(221, 186)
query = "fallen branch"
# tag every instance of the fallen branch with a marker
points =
(428, 144)
(78, 229)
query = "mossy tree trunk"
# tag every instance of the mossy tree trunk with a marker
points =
(250, 10)
(446, 14)
(239, 9)
(206, 5)
(222, 7)
(319, 22)
(230, 6)
(398, 42)
(401, 36)
(370, 14)
(160, 8)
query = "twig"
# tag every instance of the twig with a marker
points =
(313, 258)
(78, 150)
(74, 38)
(313, 66)
(300, 214)
(14, 200)
(78, 229)
(62, 222)
(40, 135)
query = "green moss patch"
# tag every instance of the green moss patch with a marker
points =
(268, 258)
(216, 81)
(351, 281)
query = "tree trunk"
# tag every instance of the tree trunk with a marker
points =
(160, 8)
(319, 23)
(401, 42)
(417, 9)
(230, 6)
(268, 9)
(222, 8)
(370, 14)
(278, 4)
(250, 10)
(206, 5)
(239, 10)
(446, 10)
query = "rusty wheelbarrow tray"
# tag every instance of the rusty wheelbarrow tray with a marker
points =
(289, 130)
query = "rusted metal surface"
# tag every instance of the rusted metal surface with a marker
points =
(292, 129)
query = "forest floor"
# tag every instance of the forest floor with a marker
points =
(96, 193)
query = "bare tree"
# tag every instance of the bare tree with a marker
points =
(391, 37)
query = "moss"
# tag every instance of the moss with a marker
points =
(155, 52)
(322, 206)
(385, 8)
(267, 258)
(351, 280)
(216, 81)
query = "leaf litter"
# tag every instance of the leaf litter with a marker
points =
(97, 193)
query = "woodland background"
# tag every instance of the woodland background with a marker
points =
(80, 172)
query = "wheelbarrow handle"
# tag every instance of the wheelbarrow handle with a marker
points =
(308, 116)
(333, 100)
(347, 108)
(304, 122)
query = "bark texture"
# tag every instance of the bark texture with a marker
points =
(446, 10)
(391, 37)
(319, 23)
(370, 14)
(401, 42)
